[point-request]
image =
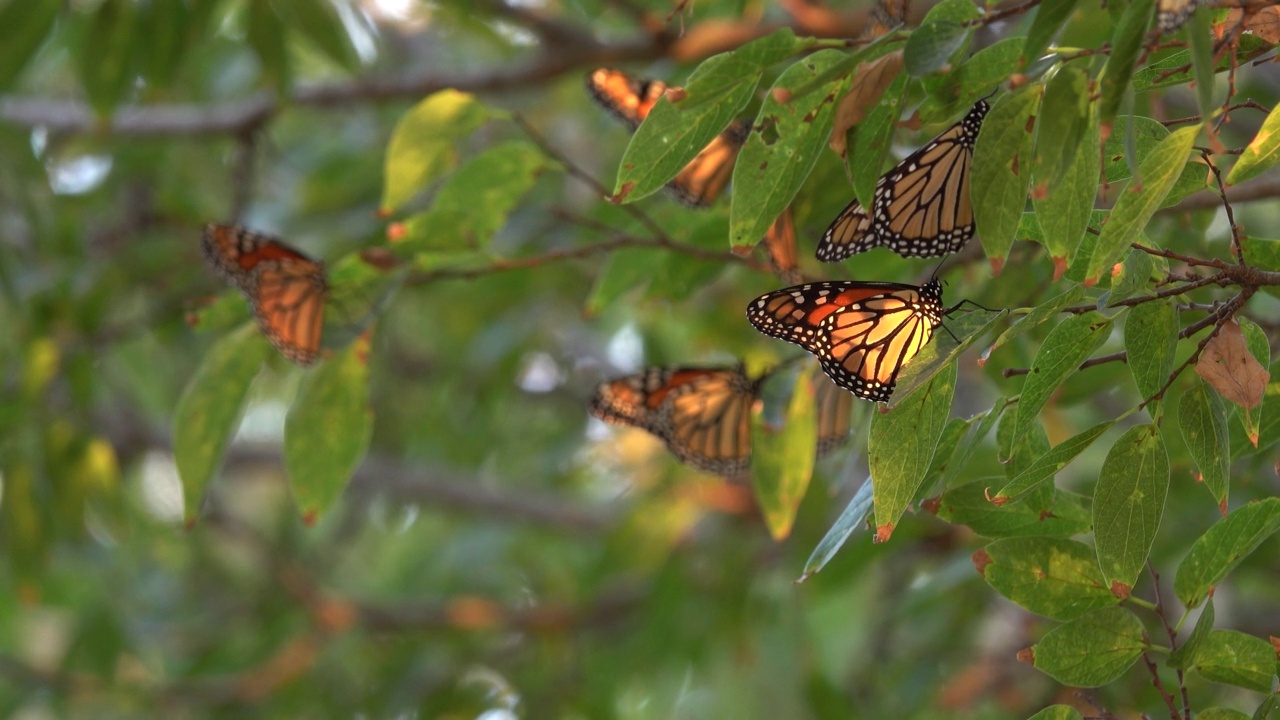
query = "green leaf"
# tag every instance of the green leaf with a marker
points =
(1269, 703)
(942, 32)
(475, 201)
(1049, 19)
(1263, 253)
(1065, 213)
(968, 505)
(955, 429)
(165, 23)
(1093, 649)
(1050, 464)
(782, 461)
(1234, 658)
(954, 93)
(105, 54)
(1128, 503)
(1255, 340)
(1262, 153)
(1219, 550)
(26, 24)
(1200, 36)
(1135, 274)
(1140, 200)
(673, 134)
(1150, 339)
(319, 22)
(265, 32)
(1057, 712)
(852, 518)
(1125, 45)
(902, 444)
(1176, 67)
(1202, 419)
(1061, 125)
(976, 436)
(1140, 137)
(872, 138)
(770, 172)
(209, 409)
(424, 144)
(327, 431)
(1066, 346)
(1001, 170)
(1037, 317)
(1054, 577)
(1182, 658)
(1220, 713)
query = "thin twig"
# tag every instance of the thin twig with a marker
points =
(1159, 686)
(1173, 638)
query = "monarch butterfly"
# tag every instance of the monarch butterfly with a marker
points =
(835, 406)
(703, 413)
(921, 206)
(780, 241)
(631, 98)
(861, 332)
(1171, 14)
(285, 288)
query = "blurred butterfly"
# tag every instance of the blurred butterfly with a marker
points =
(1171, 14)
(921, 206)
(703, 414)
(286, 289)
(861, 332)
(631, 98)
(780, 241)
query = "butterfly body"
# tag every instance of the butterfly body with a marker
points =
(922, 206)
(285, 288)
(861, 332)
(631, 99)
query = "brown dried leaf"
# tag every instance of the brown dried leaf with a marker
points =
(869, 83)
(1227, 365)
(1265, 23)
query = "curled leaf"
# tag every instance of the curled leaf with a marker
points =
(869, 83)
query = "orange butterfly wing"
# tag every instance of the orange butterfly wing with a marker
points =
(631, 98)
(861, 332)
(922, 206)
(286, 289)
(702, 414)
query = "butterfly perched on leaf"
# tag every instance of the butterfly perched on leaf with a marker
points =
(285, 288)
(703, 414)
(862, 333)
(921, 207)
(631, 98)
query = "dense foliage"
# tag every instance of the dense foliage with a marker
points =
(427, 523)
